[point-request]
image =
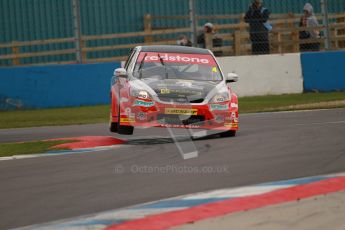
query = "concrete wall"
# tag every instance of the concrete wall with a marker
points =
(265, 74)
(55, 86)
(324, 71)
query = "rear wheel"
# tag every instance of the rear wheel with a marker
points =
(230, 133)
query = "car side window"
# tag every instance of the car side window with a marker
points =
(130, 56)
(132, 62)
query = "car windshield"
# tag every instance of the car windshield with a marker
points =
(155, 65)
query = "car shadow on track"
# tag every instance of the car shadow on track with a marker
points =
(167, 140)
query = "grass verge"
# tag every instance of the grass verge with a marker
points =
(34, 147)
(100, 114)
(54, 117)
(289, 102)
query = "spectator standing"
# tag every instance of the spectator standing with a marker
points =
(209, 29)
(309, 20)
(257, 17)
(183, 40)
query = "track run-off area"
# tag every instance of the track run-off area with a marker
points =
(148, 167)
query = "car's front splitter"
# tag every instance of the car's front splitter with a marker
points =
(220, 116)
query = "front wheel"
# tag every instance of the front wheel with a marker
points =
(125, 130)
(113, 127)
(229, 133)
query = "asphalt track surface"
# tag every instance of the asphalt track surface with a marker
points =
(269, 147)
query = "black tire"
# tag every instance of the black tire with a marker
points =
(113, 127)
(230, 133)
(125, 130)
(122, 129)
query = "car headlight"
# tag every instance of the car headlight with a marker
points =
(143, 95)
(221, 97)
(140, 94)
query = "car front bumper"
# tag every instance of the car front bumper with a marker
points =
(140, 113)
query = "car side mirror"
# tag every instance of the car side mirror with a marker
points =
(121, 72)
(232, 77)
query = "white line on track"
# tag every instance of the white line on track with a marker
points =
(323, 123)
(57, 153)
(287, 112)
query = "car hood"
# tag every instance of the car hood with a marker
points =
(183, 91)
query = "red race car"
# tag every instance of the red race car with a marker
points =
(175, 87)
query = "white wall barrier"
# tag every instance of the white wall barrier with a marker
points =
(265, 74)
